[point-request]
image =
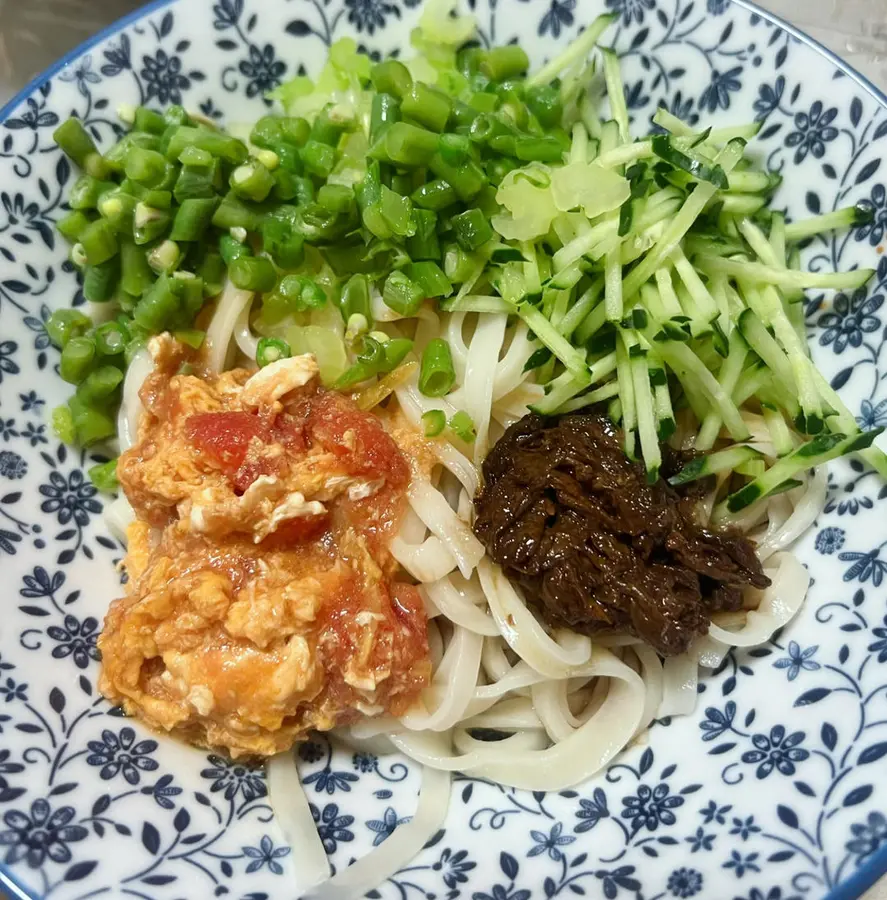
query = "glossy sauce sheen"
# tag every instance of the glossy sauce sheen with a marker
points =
(573, 521)
(262, 601)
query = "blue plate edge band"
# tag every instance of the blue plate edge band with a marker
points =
(866, 875)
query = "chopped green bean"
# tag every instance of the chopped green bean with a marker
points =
(253, 273)
(78, 356)
(437, 374)
(65, 324)
(271, 350)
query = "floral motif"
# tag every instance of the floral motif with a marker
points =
(332, 827)
(874, 231)
(362, 762)
(717, 94)
(700, 841)
(872, 416)
(70, 498)
(684, 882)
(162, 73)
(880, 646)
(262, 70)
(745, 828)
(81, 74)
(8, 366)
(776, 751)
(454, 867)
(12, 465)
(385, 826)
(549, 843)
(233, 778)
(612, 880)
(369, 14)
(76, 639)
(852, 318)
(741, 864)
(122, 754)
(266, 854)
(651, 807)
(868, 836)
(717, 7)
(631, 10)
(830, 540)
(40, 834)
(813, 130)
(559, 15)
(797, 660)
(591, 811)
(10, 690)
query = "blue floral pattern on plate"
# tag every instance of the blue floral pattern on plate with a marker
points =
(773, 790)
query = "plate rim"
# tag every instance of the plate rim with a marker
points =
(875, 868)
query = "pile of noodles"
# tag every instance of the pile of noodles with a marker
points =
(569, 703)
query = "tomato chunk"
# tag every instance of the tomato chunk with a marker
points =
(358, 438)
(225, 436)
(299, 530)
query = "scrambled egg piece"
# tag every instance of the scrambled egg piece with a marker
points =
(261, 602)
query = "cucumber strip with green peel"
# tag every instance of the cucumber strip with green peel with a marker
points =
(646, 418)
(725, 460)
(602, 367)
(753, 182)
(780, 433)
(566, 278)
(753, 379)
(652, 302)
(681, 224)
(689, 162)
(820, 450)
(703, 299)
(611, 137)
(581, 308)
(718, 287)
(573, 359)
(742, 204)
(613, 286)
(591, 324)
(598, 395)
(578, 144)
(616, 93)
(849, 217)
(728, 378)
(478, 303)
(796, 315)
(531, 267)
(624, 341)
(767, 305)
(625, 154)
(575, 52)
(778, 239)
(759, 244)
(692, 372)
(667, 293)
(754, 468)
(559, 310)
(558, 392)
(665, 421)
(711, 244)
(786, 279)
(648, 228)
(664, 119)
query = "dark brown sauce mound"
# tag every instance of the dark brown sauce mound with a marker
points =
(597, 549)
